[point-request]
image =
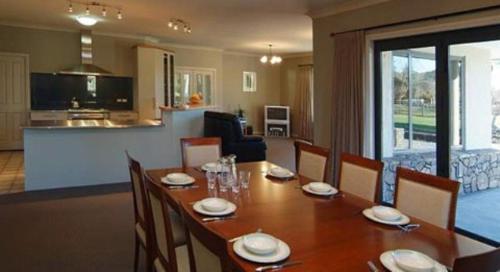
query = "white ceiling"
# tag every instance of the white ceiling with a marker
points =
(233, 25)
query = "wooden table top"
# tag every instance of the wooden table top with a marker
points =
(325, 234)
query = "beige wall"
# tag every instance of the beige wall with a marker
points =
(268, 87)
(51, 51)
(387, 12)
(288, 78)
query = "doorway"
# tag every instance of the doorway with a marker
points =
(437, 107)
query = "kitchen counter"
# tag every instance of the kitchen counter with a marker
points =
(79, 124)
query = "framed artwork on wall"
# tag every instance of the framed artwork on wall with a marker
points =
(249, 81)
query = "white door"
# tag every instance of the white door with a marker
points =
(14, 100)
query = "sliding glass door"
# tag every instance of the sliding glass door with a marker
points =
(438, 111)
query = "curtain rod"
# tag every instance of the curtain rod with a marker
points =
(429, 18)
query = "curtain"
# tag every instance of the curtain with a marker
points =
(347, 96)
(304, 102)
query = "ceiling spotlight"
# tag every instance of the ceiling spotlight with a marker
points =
(104, 12)
(86, 20)
(70, 7)
(170, 24)
(176, 26)
(119, 15)
(189, 30)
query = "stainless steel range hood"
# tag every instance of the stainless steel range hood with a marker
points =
(87, 66)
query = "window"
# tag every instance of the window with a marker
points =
(190, 81)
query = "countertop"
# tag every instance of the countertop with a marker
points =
(189, 108)
(79, 124)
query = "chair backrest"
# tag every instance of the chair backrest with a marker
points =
(162, 245)
(427, 197)
(311, 161)
(207, 250)
(198, 151)
(360, 176)
(138, 189)
(486, 262)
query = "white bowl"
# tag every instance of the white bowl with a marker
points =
(413, 261)
(260, 243)
(214, 204)
(320, 187)
(386, 213)
(280, 172)
(177, 177)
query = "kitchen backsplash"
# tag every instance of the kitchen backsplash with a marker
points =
(55, 92)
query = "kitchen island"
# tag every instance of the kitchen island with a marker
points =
(71, 153)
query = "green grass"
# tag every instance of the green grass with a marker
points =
(420, 123)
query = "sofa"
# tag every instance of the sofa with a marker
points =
(228, 128)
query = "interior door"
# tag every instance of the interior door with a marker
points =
(14, 101)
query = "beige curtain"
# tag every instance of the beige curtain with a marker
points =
(347, 96)
(304, 102)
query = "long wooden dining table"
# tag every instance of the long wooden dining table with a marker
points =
(324, 233)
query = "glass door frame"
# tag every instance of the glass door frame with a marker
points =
(441, 41)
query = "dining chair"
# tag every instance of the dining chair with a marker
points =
(168, 241)
(198, 151)
(486, 262)
(140, 206)
(427, 197)
(311, 161)
(207, 250)
(360, 176)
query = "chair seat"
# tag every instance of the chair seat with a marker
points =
(182, 260)
(141, 233)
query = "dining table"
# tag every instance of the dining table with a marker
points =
(324, 233)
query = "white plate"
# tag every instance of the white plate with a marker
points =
(388, 261)
(402, 221)
(187, 181)
(281, 253)
(210, 166)
(230, 209)
(285, 175)
(333, 191)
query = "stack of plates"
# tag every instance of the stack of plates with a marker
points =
(177, 179)
(386, 215)
(320, 188)
(261, 248)
(281, 173)
(213, 206)
(403, 260)
(211, 166)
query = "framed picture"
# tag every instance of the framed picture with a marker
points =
(249, 81)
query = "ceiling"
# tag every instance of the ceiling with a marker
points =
(233, 25)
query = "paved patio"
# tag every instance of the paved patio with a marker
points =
(479, 213)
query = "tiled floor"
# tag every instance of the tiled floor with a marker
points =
(11, 172)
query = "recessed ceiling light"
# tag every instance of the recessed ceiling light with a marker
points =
(86, 20)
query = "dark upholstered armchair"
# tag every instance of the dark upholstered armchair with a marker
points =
(228, 127)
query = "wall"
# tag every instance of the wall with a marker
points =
(268, 87)
(288, 80)
(51, 51)
(387, 12)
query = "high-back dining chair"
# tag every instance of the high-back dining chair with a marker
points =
(168, 249)
(360, 176)
(427, 197)
(140, 206)
(311, 161)
(207, 250)
(486, 262)
(198, 151)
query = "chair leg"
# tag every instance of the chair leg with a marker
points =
(136, 253)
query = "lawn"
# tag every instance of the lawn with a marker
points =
(420, 123)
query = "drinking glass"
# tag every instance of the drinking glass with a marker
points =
(211, 178)
(235, 185)
(222, 178)
(244, 178)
